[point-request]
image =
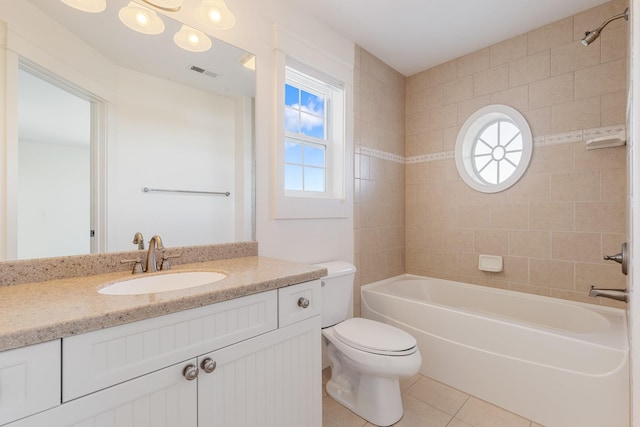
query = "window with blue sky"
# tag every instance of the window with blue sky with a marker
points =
(304, 112)
(306, 141)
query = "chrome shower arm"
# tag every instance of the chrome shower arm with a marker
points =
(624, 15)
(591, 36)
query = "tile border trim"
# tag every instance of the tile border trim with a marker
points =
(539, 141)
(383, 155)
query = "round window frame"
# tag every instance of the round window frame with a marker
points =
(469, 133)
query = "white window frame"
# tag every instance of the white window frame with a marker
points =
(335, 201)
(333, 141)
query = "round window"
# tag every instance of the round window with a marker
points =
(493, 148)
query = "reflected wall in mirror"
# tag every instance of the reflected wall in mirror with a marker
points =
(154, 122)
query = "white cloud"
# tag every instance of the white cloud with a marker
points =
(308, 122)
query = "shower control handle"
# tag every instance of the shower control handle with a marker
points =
(303, 302)
(620, 258)
(617, 258)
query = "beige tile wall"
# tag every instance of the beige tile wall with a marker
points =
(379, 212)
(554, 226)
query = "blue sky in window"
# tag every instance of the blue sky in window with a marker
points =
(291, 95)
(292, 152)
(304, 166)
(314, 155)
(304, 112)
(293, 177)
(314, 179)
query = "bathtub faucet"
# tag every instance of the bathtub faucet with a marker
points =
(617, 294)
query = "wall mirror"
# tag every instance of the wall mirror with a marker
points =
(97, 113)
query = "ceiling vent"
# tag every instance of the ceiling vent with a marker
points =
(203, 71)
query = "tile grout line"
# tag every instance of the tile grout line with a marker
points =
(455, 416)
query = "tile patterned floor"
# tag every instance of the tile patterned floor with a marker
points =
(428, 403)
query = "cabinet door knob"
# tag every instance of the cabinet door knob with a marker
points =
(208, 365)
(190, 372)
(303, 302)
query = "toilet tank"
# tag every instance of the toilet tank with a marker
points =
(337, 291)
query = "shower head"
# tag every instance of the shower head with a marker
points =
(591, 36)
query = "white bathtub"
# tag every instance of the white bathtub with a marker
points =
(556, 362)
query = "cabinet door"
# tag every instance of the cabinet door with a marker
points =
(273, 380)
(29, 380)
(160, 399)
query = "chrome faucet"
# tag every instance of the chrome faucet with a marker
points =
(155, 244)
(616, 294)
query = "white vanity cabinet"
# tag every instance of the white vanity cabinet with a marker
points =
(103, 358)
(229, 364)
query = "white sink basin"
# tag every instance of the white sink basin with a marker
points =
(162, 282)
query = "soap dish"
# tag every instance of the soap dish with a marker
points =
(492, 263)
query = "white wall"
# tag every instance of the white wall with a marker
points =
(309, 240)
(171, 137)
(53, 207)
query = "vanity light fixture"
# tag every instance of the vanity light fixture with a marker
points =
(91, 6)
(192, 40)
(215, 14)
(141, 19)
(166, 5)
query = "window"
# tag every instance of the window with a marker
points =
(493, 148)
(497, 151)
(313, 137)
(314, 129)
(305, 142)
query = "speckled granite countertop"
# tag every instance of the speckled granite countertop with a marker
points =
(31, 313)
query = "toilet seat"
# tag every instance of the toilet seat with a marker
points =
(375, 337)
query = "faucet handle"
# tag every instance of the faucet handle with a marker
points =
(620, 258)
(165, 261)
(137, 267)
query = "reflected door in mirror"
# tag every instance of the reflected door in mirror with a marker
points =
(54, 173)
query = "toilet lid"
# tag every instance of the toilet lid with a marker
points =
(375, 337)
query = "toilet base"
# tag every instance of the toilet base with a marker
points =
(376, 399)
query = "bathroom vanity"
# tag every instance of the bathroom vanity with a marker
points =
(244, 351)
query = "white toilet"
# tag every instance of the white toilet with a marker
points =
(367, 358)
